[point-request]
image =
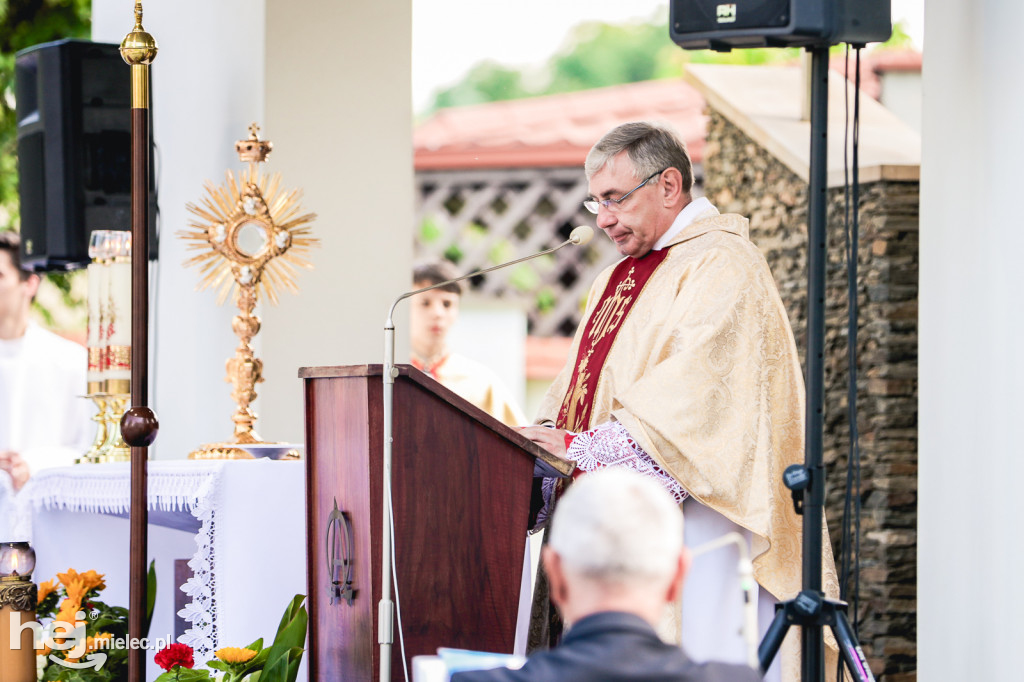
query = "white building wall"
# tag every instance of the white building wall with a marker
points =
(330, 84)
(339, 110)
(971, 323)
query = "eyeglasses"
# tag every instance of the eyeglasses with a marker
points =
(593, 205)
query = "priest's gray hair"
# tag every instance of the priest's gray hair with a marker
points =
(650, 146)
(617, 526)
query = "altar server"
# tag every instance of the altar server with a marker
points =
(44, 421)
(432, 316)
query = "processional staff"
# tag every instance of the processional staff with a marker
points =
(139, 424)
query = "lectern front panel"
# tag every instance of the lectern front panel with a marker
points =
(461, 491)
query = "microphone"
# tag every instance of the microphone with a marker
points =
(579, 236)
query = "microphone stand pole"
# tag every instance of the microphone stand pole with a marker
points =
(385, 608)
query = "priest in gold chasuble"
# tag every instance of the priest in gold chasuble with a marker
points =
(685, 369)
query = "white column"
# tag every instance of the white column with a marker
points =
(338, 103)
(208, 86)
(971, 324)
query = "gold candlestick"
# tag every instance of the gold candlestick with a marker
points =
(114, 449)
(17, 608)
(101, 418)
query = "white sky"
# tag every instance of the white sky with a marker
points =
(450, 36)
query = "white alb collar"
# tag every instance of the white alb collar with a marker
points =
(683, 219)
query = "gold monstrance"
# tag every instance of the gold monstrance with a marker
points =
(252, 238)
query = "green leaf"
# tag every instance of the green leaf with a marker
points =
(150, 597)
(286, 652)
(179, 674)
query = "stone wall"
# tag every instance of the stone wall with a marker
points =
(741, 177)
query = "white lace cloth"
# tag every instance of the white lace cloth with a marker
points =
(609, 444)
(185, 486)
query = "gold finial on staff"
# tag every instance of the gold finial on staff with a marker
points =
(139, 49)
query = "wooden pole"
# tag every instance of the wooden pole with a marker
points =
(139, 425)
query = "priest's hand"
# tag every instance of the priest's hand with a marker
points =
(552, 440)
(13, 464)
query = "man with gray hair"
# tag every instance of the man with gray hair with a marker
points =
(615, 558)
(685, 369)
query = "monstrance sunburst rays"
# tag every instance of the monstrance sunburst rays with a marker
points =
(251, 238)
(250, 199)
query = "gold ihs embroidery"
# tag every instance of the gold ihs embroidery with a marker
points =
(575, 397)
(613, 309)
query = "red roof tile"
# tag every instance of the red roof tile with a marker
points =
(874, 64)
(558, 130)
(555, 130)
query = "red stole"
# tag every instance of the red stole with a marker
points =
(624, 286)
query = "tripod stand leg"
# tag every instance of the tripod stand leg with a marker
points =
(773, 638)
(850, 650)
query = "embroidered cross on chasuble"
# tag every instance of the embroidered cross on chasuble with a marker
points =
(625, 284)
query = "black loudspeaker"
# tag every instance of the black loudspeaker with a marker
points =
(73, 110)
(718, 25)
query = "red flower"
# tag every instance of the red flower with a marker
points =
(175, 654)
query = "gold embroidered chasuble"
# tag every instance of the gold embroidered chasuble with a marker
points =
(625, 282)
(704, 374)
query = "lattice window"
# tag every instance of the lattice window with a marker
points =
(482, 218)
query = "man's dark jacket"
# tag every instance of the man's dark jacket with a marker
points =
(608, 647)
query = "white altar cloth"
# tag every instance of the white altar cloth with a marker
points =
(239, 523)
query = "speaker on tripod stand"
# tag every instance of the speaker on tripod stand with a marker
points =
(815, 25)
(73, 115)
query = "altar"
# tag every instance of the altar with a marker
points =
(245, 560)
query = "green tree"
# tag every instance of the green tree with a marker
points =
(24, 23)
(487, 81)
(599, 54)
(609, 54)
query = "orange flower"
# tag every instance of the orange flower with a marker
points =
(93, 580)
(233, 654)
(68, 612)
(45, 590)
(76, 590)
(66, 578)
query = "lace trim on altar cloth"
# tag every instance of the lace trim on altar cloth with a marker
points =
(609, 444)
(107, 490)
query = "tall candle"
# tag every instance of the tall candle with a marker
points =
(119, 320)
(95, 339)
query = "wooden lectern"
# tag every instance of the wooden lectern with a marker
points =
(461, 493)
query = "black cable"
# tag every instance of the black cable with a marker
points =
(854, 317)
(850, 564)
(844, 566)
